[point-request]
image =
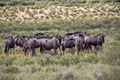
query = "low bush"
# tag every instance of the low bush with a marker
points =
(7, 77)
(11, 69)
(7, 60)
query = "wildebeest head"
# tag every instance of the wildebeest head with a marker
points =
(19, 40)
(59, 38)
(101, 38)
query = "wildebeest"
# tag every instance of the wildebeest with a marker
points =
(41, 35)
(9, 44)
(50, 43)
(97, 41)
(83, 41)
(19, 40)
(76, 39)
(68, 44)
(27, 43)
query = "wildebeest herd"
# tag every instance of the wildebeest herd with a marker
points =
(76, 42)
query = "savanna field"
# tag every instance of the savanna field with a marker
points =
(19, 17)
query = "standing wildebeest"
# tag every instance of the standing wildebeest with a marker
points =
(27, 43)
(97, 41)
(68, 41)
(19, 40)
(75, 39)
(9, 43)
(50, 43)
(67, 44)
(85, 40)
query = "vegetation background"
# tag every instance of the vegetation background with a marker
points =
(53, 17)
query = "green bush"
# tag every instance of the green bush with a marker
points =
(69, 60)
(11, 69)
(7, 77)
(25, 3)
(7, 60)
(112, 57)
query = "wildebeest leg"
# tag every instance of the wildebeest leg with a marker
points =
(5, 49)
(33, 51)
(95, 49)
(60, 50)
(13, 51)
(29, 52)
(91, 48)
(78, 49)
(9, 51)
(101, 47)
(69, 50)
(82, 48)
(55, 51)
(63, 50)
(74, 50)
(41, 49)
(25, 52)
(88, 48)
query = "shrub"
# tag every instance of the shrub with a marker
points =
(68, 60)
(7, 60)
(11, 69)
(7, 77)
(25, 3)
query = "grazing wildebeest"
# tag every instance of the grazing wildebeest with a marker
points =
(9, 44)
